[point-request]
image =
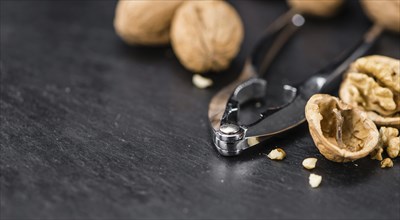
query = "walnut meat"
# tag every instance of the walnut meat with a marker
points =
(340, 132)
(145, 22)
(206, 35)
(373, 85)
(384, 12)
(390, 140)
(325, 8)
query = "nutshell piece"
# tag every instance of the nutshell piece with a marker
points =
(145, 22)
(206, 35)
(325, 8)
(373, 85)
(340, 132)
(277, 154)
(383, 12)
(386, 163)
(314, 180)
(309, 163)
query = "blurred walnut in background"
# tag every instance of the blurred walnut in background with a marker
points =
(322, 8)
(384, 12)
(145, 22)
(206, 35)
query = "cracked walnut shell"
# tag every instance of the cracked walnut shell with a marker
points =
(325, 8)
(145, 22)
(340, 132)
(206, 35)
(373, 85)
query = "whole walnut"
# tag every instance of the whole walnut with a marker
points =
(384, 12)
(145, 22)
(373, 85)
(322, 8)
(206, 35)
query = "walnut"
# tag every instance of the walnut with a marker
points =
(326, 8)
(384, 121)
(386, 133)
(385, 69)
(373, 85)
(314, 180)
(201, 82)
(386, 163)
(391, 140)
(277, 154)
(206, 35)
(309, 163)
(393, 148)
(365, 91)
(340, 132)
(145, 22)
(377, 154)
(384, 12)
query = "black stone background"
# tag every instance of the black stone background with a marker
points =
(93, 128)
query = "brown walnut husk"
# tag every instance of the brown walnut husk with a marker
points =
(145, 22)
(373, 85)
(340, 132)
(206, 35)
(321, 8)
(384, 12)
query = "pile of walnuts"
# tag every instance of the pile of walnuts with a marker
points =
(205, 35)
(347, 129)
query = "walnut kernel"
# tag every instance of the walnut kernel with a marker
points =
(386, 133)
(373, 85)
(314, 180)
(201, 82)
(393, 148)
(309, 163)
(377, 154)
(386, 163)
(277, 154)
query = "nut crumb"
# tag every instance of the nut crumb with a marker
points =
(393, 148)
(201, 82)
(309, 163)
(252, 141)
(277, 154)
(386, 133)
(314, 180)
(386, 163)
(377, 154)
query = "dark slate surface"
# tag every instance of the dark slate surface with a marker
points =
(92, 128)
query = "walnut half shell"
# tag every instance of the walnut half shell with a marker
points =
(340, 132)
